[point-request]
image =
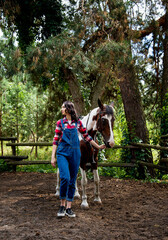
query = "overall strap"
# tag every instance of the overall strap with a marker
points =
(63, 126)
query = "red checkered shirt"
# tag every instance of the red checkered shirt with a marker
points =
(59, 130)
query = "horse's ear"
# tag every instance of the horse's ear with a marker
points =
(100, 104)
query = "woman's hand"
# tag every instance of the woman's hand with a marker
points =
(103, 146)
(53, 161)
(53, 158)
(96, 145)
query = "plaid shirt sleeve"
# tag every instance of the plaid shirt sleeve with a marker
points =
(84, 132)
(58, 133)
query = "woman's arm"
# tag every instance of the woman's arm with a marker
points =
(96, 145)
(53, 158)
(58, 135)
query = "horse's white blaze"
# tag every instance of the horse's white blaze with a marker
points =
(111, 139)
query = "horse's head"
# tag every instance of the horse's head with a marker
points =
(104, 123)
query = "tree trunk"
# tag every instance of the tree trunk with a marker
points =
(132, 104)
(134, 113)
(74, 88)
(164, 89)
(98, 89)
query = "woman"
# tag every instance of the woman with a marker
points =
(66, 147)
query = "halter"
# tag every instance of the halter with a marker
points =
(99, 118)
(99, 128)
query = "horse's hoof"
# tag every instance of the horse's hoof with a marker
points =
(84, 206)
(77, 195)
(98, 200)
(57, 194)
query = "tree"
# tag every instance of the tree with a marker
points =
(164, 84)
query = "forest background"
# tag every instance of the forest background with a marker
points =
(83, 50)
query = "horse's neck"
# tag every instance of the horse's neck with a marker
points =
(88, 120)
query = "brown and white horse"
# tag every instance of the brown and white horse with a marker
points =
(99, 119)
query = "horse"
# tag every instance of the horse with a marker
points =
(100, 119)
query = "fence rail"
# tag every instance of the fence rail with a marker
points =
(19, 160)
(30, 144)
(143, 145)
(164, 136)
(101, 164)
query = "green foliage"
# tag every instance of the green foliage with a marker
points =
(165, 177)
(41, 168)
(21, 106)
(114, 172)
(33, 19)
(4, 167)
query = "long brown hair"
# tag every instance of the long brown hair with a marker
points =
(70, 108)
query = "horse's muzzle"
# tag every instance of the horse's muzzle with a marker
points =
(108, 145)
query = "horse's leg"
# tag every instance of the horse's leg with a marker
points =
(96, 190)
(84, 203)
(58, 184)
(77, 195)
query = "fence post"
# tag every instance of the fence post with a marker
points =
(13, 153)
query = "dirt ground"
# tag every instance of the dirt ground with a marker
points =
(130, 210)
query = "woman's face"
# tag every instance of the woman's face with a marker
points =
(63, 110)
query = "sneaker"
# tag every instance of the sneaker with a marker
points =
(61, 212)
(70, 213)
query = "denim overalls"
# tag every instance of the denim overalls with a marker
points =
(68, 159)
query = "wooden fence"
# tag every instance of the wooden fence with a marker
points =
(15, 160)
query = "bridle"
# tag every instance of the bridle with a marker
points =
(98, 125)
(98, 120)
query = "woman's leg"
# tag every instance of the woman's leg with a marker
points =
(63, 201)
(64, 176)
(69, 204)
(74, 162)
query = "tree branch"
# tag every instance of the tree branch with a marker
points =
(145, 32)
(100, 34)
